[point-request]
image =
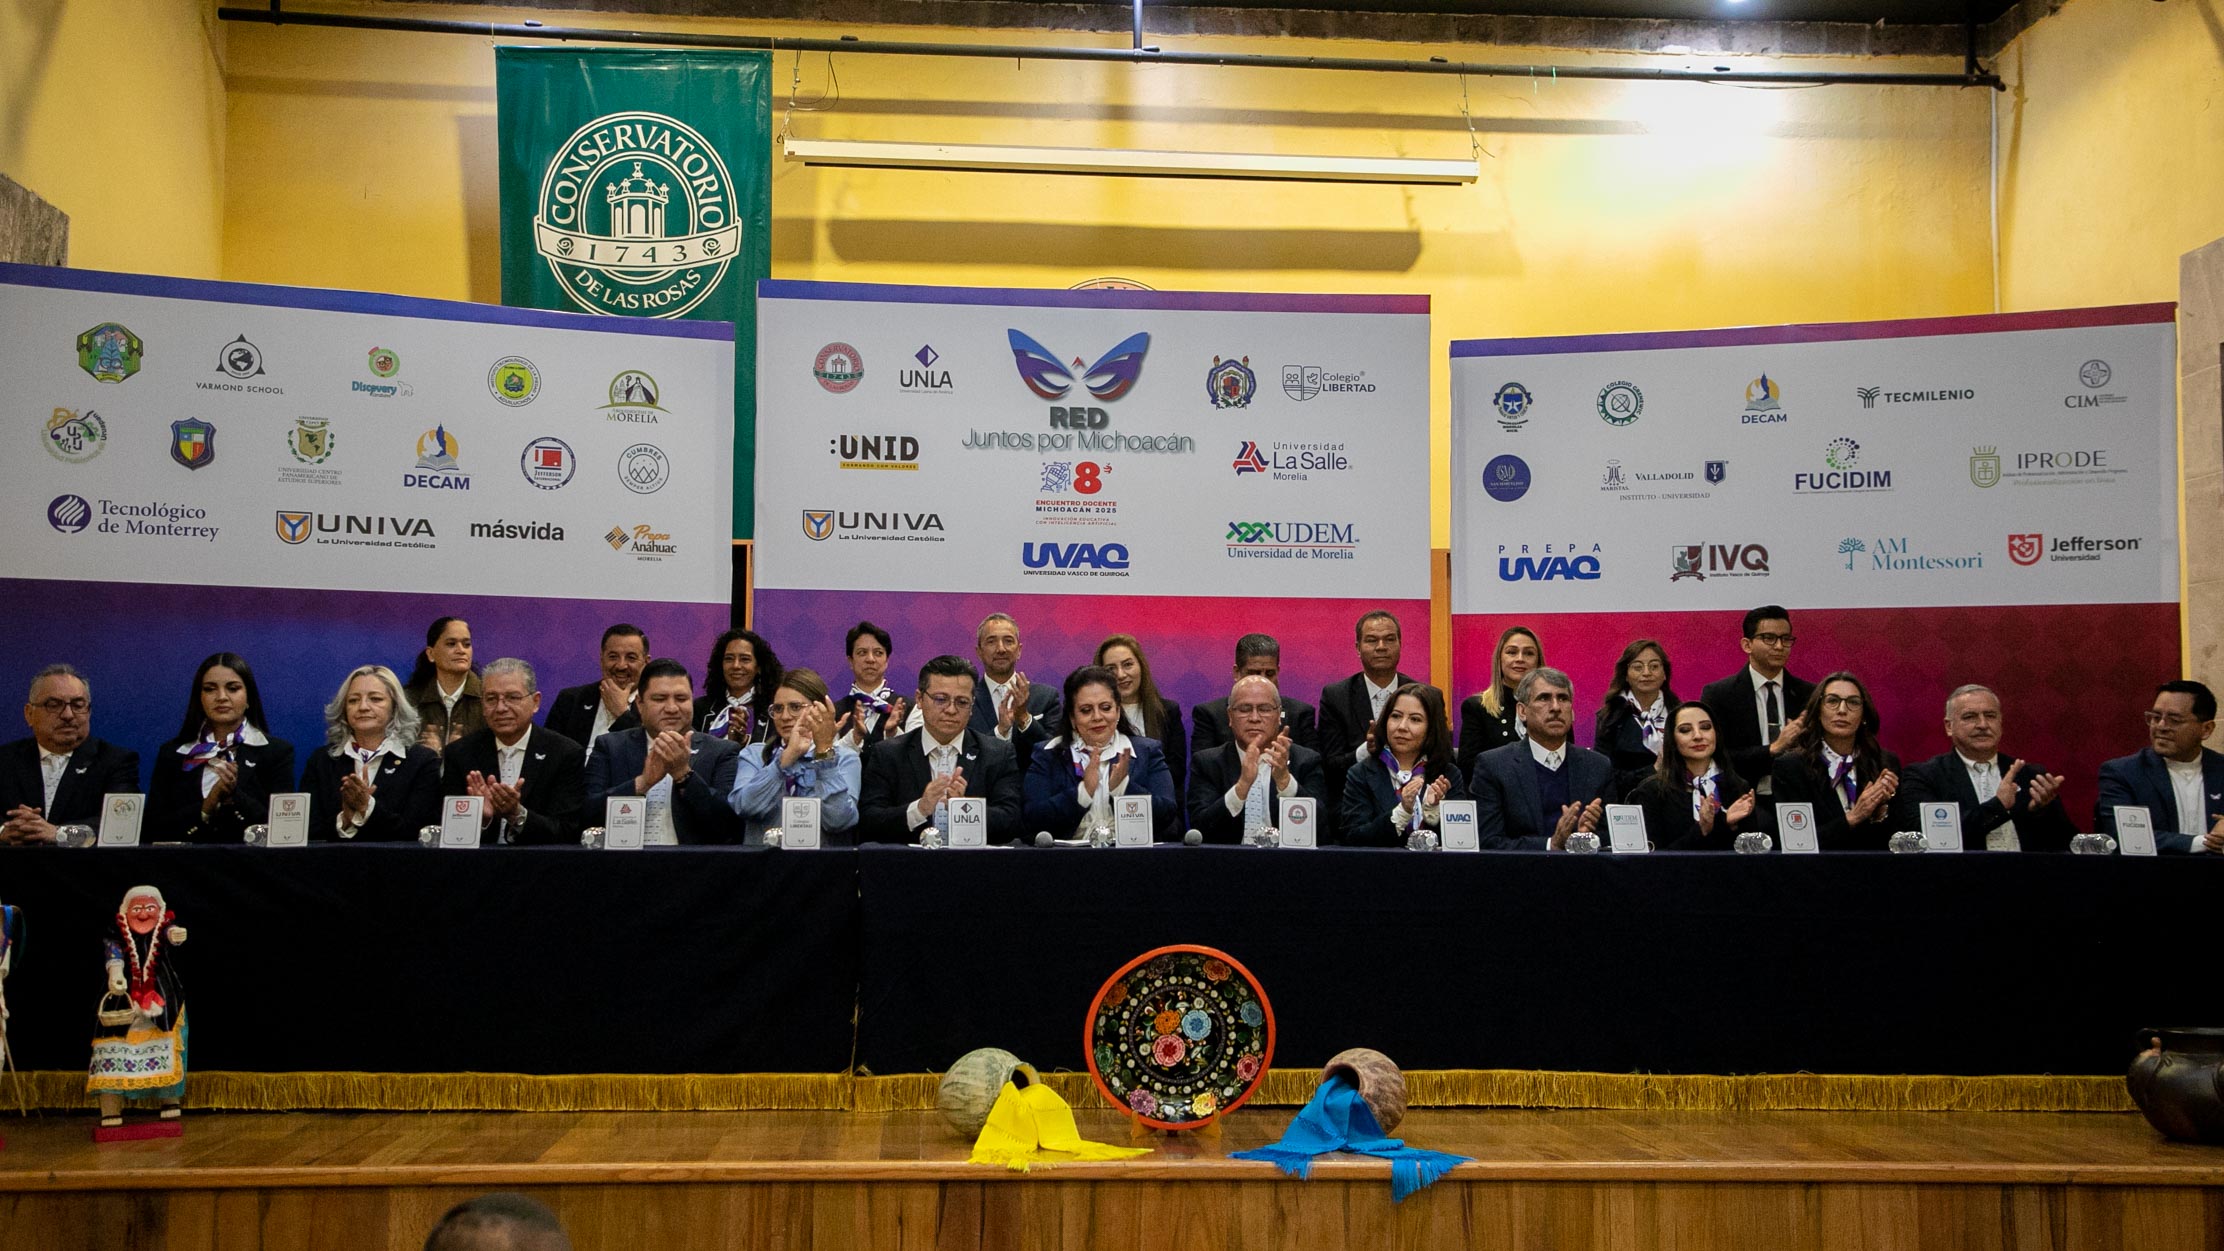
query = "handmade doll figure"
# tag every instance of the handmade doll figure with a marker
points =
(139, 1045)
(11, 933)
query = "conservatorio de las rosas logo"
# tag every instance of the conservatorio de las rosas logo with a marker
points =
(636, 216)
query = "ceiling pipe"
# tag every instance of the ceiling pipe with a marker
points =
(275, 16)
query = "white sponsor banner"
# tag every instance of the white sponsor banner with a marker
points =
(1092, 442)
(233, 435)
(2020, 459)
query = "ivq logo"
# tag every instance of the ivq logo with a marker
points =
(1074, 556)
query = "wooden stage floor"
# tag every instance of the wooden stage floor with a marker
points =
(1541, 1179)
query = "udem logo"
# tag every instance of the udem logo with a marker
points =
(1074, 556)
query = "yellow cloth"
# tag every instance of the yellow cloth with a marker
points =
(1034, 1126)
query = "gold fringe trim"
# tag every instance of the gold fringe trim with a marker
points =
(755, 1092)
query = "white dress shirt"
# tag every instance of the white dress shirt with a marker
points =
(1097, 808)
(1830, 762)
(509, 764)
(1549, 759)
(996, 693)
(51, 769)
(366, 768)
(246, 733)
(2185, 780)
(1984, 775)
(1377, 696)
(943, 759)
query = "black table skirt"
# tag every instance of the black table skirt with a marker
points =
(685, 960)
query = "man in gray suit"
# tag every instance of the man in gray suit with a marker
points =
(1530, 795)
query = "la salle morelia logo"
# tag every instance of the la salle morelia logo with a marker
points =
(636, 216)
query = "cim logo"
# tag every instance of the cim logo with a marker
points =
(1074, 555)
(2025, 549)
(1550, 562)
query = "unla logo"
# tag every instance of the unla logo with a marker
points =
(635, 216)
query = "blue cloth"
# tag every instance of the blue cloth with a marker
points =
(760, 784)
(1337, 1119)
(1552, 793)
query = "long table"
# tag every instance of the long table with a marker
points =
(713, 960)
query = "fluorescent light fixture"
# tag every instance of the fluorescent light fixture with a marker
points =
(1125, 162)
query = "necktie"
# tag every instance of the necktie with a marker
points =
(1842, 778)
(1775, 713)
(1256, 815)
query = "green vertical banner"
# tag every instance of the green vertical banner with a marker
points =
(639, 184)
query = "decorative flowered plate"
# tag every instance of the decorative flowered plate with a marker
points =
(1179, 1036)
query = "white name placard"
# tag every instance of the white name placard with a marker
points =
(289, 820)
(1131, 821)
(1456, 829)
(1941, 827)
(625, 821)
(2135, 831)
(119, 820)
(1625, 829)
(459, 820)
(1795, 828)
(968, 821)
(1300, 822)
(799, 823)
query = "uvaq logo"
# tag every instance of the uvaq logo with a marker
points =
(1113, 376)
(1549, 562)
(1074, 555)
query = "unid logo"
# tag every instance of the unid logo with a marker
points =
(636, 216)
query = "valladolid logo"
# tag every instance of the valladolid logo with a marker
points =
(636, 216)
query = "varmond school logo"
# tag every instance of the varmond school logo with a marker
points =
(636, 216)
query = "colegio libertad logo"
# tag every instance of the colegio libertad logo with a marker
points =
(636, 216)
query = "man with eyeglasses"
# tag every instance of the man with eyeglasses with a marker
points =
(1237, 787)
(1260, 655)
(58, 775)
(1755, 709)
(2178, 781)
(908, 779)
(534, 781)
(2006, 804)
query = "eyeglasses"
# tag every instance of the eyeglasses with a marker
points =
(1254, 710)
(1646, 666)
(2176, 721)
(1776, 640)
(55, 707)
(504, 700)
(961, 703)
(790, 710)
(1844, 701)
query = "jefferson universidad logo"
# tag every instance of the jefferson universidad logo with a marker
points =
(635, 216)
(193, 442)
(2025, 549)
(1230, 383)
(548, 463)
(514, 381)
(110, 352)
(75, 437)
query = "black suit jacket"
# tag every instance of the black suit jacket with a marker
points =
(405, 796)
(706, 711)
(1480, 732)
(2142, 780)
(1212, 772)
(895, 772)
(1042, 706)
(1737, 727)
(554, 776)
(1208, 725)
(1345, 715)
(174, 795)
(1370, 797)
(95, 769)
(1173, 744)
(700, 813)
(1670, 825)
(1504, 787)
(1946, 777)
(1800, 782)
(572, 714)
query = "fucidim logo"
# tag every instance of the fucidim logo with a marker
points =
(634, 216)
(1230, 383)
(1113, 376)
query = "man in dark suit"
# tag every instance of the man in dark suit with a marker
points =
(2006, 804)
(1756, 709)
(534, 781)
(586, 712)
(1240, 785)
(58, 775)
(1257, 655)
(1008, 706)
(1529, 796)
(685, 774)
(2178, 781)
(1348, 708)
(907, 777)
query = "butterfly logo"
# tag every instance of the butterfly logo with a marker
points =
(1111, 377)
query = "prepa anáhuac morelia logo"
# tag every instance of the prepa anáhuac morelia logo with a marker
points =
(636, 216)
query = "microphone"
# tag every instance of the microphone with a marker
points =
(1194, 838)
(1042, 838)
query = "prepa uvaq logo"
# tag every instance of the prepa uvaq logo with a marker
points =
(636, 216)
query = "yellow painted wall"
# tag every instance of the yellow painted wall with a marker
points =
(2111, 151)
(113, 111)
(360, 159)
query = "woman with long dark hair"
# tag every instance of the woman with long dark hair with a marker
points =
(1693, 799)
(1631, 728)
(215, 777)
(1142, 709)
(1072, 779)
(737, 689)
(1837, 764)
(1397, 790)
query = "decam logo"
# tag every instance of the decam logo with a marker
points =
(1114, 375)
(1075, 559)
(1550, 562)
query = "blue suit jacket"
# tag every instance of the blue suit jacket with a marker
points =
(1048, 800)
(699, 810)
(1504, 788)
(2142, 780)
